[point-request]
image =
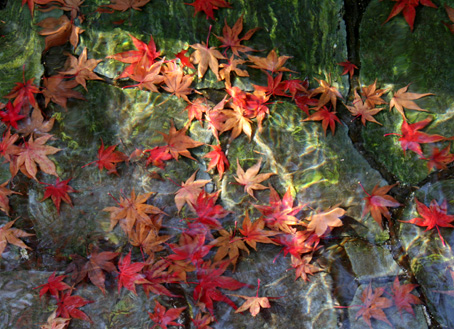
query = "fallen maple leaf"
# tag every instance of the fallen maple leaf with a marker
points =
(327, 117)
(230, 37)
(35, 124)
(132, 209)
(254, 303)
(237, 121)
(377, 203)
(178, 143)
(189, 191)
(303, 268)
(403, 99)
(373, 95)
(373, 305)
(329, 94)
(128, 275)
(403, 299)
(207, 211)
(184, 60)
(67, 306)
(433, 216)
(280, 214)
(206, 57)
(53, 286)
(58, 90)
(24, 92)
(133, 57)
(218, 159)
(58, 191)
(349, 68)
(163, 317)
(59, 31)
(196, 109)
(108, 158)
(94, 268)
(271, 63)
(407, 7)
(82, 68)
(11, 115)
(411, 136)
(254, 232)
(297, 242)
(251, 179)
(178, 84)
(207, 6)
(323, 222)
(156, 276)
(157, 156)
(11, 235)
(439, 158)
(360, 109)
(33, 153)
(54, 322)
(123, 5)
(210, 278)
(450, 12)
(231, 66)
(228, 245)
(4, 193)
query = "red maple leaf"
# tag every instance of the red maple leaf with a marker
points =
(108, 158)
(11, 114)
(24, 92)
(68, 306)
(280, 214)
(164, 318)
(133, 57)
(407, 7)
(157, 156)
(59, 191)
(128, 275)
(439, 158)
(210, 278)
(411, 136)
(297, 243)
(156, 275)
(218, 159)
(327, 117)
(207, 6)
(378, 202)
(184, 60)
(433, 216)
(53, 286)
(403, 299)
(373, 305)
(349, 68)
(190, 249)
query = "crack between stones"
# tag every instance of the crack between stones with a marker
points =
(353, 12)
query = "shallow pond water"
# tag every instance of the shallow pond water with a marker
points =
(355, 263)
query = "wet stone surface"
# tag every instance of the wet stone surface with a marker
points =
(320, 171)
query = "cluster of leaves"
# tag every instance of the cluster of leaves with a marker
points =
(374, 302)
(206, 249)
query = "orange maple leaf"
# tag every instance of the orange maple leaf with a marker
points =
(271, 63)
(189, 192)
(251, 179)
(206, 57)
(403, 99)
(178, 143)
(231, 39)
(12, 235)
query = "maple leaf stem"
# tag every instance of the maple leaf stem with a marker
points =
(170, 179)
(441, 238)
(208, 37)
(116, 201)
(394, 134)
(363, 189)
(274, 260)
(88, 164)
